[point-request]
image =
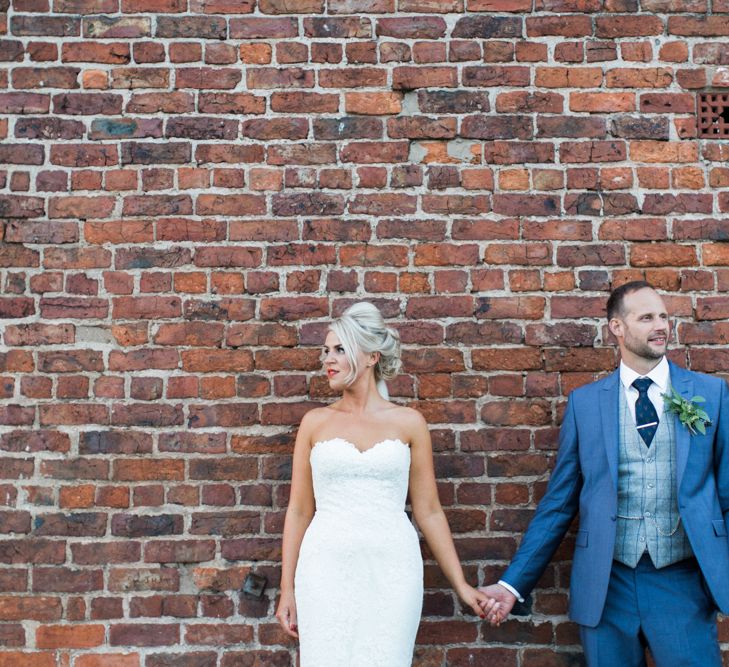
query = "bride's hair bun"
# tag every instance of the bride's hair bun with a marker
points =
(361, 327)
(389, 364)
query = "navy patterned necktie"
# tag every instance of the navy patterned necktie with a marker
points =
(646, 417)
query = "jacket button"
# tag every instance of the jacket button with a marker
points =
(613, 517)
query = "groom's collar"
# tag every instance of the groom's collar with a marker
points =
(660, 375)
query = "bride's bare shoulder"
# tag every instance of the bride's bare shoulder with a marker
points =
(316, 415)
(407, 416)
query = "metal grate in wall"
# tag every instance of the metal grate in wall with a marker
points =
(713, 111)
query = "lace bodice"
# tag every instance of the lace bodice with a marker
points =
(370, 484)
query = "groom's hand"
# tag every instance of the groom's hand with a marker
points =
(502, 603)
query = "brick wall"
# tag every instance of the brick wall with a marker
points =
(191, 188)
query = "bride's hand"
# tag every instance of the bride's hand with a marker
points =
(286, 614)
(475, 599)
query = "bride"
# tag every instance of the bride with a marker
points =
(352, 573)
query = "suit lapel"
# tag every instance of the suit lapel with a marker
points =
(610, 418)
(684, 385)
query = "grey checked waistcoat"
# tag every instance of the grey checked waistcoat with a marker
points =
(648, 515)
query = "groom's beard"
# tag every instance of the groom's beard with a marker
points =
(643, 350)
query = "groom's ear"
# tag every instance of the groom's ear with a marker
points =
(616, 327)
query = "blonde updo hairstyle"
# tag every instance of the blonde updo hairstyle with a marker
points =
(361, 327)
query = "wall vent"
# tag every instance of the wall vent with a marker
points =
(713, 115)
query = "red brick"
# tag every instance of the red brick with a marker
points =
(45, 77)
(639, 229)
(34, 659)
(12, 635)
(187, 551)
(576, 307)
(108, 660)
(598, 255)
(602, 102)
(566, 26)
(711, 308)
(219, 635)
(628, 26)
(666, 254)
(410, 78)
(373, 103)
(140, 414)
(434, 307)
(432, 361)
(506, 359)
(568, 77)
(145, 307)
(579, 359)
(656, 77)
(174, 102)
(140, 634)
(293, 77)
(273, 658)
(66, 580)
(24, 103)
(657, 151)
(460, 657)
(69, 636)
(135, 470)
(705, 26)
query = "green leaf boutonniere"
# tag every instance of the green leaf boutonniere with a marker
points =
(689, 413)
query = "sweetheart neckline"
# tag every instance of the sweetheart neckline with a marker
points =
(357, 449)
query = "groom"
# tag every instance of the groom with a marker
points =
(651, 561)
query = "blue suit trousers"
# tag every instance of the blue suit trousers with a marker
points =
(668, 610)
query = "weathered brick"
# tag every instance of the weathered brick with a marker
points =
(487, 27)
(153, 634)
(628, 26)
(657, 77)
(45, 77)
(128, 525)
(69, 636)
(240, 414)
(572, 26)
(665, 254)
(704, 26)
(568, 77)
(593, 128)
(108, 659)
(179, 551)
(87, 104)
(371, 167)
(660, 204)
(602, 102)
(66, 580)
(36, 608)
(496, 76)
(409, 78)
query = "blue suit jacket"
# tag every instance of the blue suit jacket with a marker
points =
(585, 480)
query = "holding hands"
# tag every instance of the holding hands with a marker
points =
(474, 598)
(499, 603)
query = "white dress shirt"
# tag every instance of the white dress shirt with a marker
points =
(661, 376)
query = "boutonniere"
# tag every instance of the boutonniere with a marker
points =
(689, 413)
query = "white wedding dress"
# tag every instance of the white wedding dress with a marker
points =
(359, 577)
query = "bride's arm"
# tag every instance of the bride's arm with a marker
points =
(430, 517)
(299, 513)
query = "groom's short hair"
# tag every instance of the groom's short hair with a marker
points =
(617, 296)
